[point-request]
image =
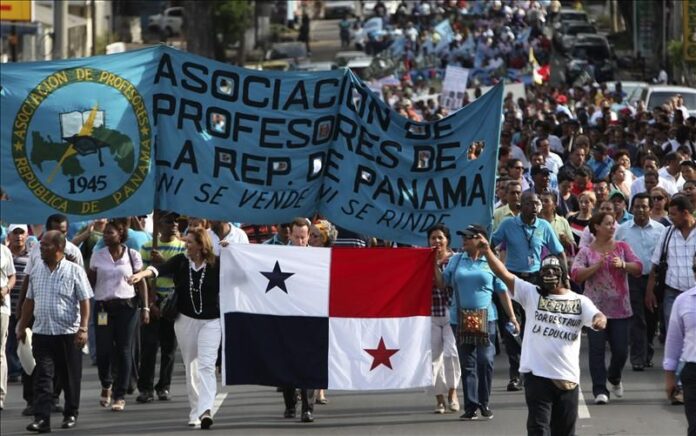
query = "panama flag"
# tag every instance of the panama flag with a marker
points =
(337, 318)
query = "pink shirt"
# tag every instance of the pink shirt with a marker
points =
(112, 275)
(608, 287)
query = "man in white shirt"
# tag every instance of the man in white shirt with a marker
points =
(556, 316)
(223, 233)
(650, 164)
(672, 170)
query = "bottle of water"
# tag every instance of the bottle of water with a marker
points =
(510, 327)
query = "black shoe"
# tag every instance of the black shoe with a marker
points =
(486, 412)
(206, 420)
(514, 385)
(56, 408)
(145, 397)
(289, 413)
(638, 368)
(130, 390)
(471, 415)
(28, 411)
(163, 395)
(69, 422)
(649, 364)
(307, 417)
(40, 426)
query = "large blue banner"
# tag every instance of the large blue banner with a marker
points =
(118, 135)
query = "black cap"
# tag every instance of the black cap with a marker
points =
(599, 148)
(473, 229)
(538, 169)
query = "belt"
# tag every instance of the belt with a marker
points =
(116, 302)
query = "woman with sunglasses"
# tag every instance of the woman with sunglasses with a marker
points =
(660, 199)
(446, 368)
(474, 316)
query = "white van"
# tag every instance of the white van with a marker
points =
(657, 95)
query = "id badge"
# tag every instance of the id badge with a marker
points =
(530, 261)
(102, 318)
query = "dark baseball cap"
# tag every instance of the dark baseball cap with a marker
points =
(473, 229)
(538, 169)
(599, 148)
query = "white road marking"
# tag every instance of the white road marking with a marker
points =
(219, 398)
(583, 411)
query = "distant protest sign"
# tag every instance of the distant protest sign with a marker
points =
(454, 87)
(121, 134)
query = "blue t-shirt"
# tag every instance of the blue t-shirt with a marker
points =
(474, 282)
(524, 243)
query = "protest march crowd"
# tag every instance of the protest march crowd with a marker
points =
(593, 231)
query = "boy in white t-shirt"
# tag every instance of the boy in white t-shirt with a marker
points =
(551, 347)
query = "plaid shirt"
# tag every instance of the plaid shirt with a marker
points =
(680, 259)
(442, 298)
(57, 295)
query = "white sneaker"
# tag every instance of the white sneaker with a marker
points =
(601, 399)
(617, 389)
(454, 405)
(440, 409)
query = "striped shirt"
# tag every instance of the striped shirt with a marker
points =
(680, 259)
(57, 295)
(20, 262)
(163, 285)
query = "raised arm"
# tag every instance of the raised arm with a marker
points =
(497, 266)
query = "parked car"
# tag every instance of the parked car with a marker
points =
(631, 90)
(565, 15)
(168, 23)
(590, 59)
(657, 95)
(339, 8)
(564, 37)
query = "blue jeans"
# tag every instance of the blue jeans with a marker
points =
(477, 370)
(616, 333)
(668, 302)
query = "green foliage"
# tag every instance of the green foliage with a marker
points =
(231, 19)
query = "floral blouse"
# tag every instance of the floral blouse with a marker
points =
(608, 287)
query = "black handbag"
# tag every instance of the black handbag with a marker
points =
(661, 268)
(169, 306)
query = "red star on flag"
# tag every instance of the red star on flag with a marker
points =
(381, 355)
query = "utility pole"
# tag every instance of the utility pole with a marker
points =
(60, 29)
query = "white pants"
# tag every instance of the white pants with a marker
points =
(446, 369)
(4, 325)
(199, 340)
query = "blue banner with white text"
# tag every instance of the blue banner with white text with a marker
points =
(122, 134)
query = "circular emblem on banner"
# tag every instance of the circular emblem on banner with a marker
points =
(81, 141)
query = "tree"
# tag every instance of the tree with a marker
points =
(214, 25)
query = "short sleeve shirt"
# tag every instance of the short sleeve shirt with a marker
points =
(524, 243)
(551, 346)
(112, 275)
(474, 282)
(6, 270)
(57, 295)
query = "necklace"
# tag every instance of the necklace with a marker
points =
(193, 289)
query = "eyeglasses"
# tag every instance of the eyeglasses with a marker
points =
(658, 198)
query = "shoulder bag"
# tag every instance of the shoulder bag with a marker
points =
(661, 268)
(472, 324)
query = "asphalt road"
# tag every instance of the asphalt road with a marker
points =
(255, 410)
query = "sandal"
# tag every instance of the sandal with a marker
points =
(105, 398)
(118, 406)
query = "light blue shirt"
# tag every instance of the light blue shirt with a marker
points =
(641, 239)
(626, 217)
(600, 169)
(474, 282)
(524, 243)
